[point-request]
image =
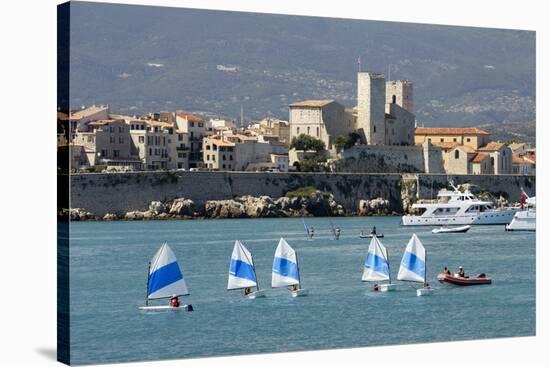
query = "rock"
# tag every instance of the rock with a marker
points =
(110, 216)
(135, 215)
(378, 206)
(224, 209)
(183, 207)
(157, 207)
(149, 214)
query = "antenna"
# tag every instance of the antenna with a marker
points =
(242, 119)
(389, 71)
(359, 64)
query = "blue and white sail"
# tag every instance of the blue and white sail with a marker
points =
(285, 270)
(376, 265)
(241, 270)
(165, 276)
(413, 264)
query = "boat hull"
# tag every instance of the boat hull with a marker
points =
(299, 293)
(256, 294)
(166, 308)
(381, 235)
(460, 281)
(424, 292)
(461, 229)
(523, 221)
(485, 218)
(387, 287)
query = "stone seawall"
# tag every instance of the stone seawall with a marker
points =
(120, 193)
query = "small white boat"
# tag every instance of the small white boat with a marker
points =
(377, 266)
(242, 272)
(167, 308)
(413, 265)
(286, 271)
(165, 281)
(445, 229)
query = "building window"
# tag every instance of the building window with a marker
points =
(141, 139)
(111, 139)
(317, 131)
(454, 139)
(468, 140)
(374, 129)
(308, 130)
(90, 139)
(231, 157)
(121, 139)
(208, 157)
(457, 154)
(298, 130)
(223, 157)
(180, 137)
(493, 161)
(442, 140)
(150, 151)
(394, 99)
(116, 153)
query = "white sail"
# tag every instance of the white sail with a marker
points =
(376, 264)
(413, 264)
(285, 270)
(165, 276)
(241, 269)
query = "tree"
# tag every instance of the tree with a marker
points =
(306, 142)
(346, 141)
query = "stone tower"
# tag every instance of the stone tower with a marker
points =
(400, 92)
(371, 115)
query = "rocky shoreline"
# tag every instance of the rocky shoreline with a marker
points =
(317, 204)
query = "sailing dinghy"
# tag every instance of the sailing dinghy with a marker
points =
(286, 272)
(165, 280)
(377, 266)
(242, 273)
(413, 265)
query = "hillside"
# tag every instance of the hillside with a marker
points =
(141, 59)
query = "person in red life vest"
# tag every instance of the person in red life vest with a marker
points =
(174, 301)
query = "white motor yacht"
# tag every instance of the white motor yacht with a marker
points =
(455, 207)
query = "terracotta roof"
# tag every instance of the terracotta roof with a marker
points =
(449, 131)
(219, 142)
(101, 122)
(312, 103)
(87, 112)
(491, 147)
(516, 159)
(480, 157)
(190, 117)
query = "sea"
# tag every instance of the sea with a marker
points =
(108, 276)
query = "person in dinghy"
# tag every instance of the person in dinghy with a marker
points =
(174, 301)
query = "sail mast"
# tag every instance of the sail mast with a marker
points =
(388, 263)
(425, 265)
(255, 275)
(147, 285)
(298, 268)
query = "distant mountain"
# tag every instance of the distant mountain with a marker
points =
(141, 59)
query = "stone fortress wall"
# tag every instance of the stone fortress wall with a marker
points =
(120, 193)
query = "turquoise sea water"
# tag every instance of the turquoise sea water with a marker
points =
(109, 272)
